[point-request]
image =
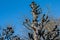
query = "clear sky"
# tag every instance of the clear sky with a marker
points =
(13, 11)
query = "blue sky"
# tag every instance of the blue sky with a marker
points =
(13, 11)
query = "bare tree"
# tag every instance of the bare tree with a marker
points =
(8, 34)
(44, 28)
